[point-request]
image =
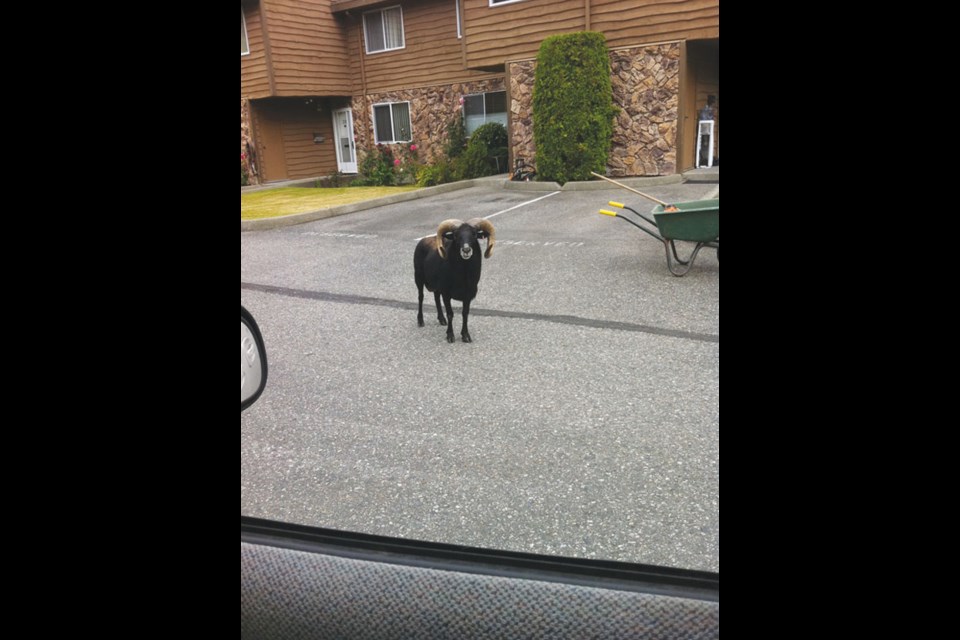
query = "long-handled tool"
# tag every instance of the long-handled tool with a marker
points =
(666, 206)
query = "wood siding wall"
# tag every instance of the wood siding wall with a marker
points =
(515, 31)
(638, 21)
(305, 158)
(313, 52)
(432, 53)
(285, 129)
(254, 77)
(308, 48)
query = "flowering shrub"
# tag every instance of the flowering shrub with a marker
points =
(244, 176)
(376, 169)
(407, 165)
(381, 167)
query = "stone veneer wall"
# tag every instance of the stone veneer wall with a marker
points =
(431, 109)
(646, 88)
(521, 111)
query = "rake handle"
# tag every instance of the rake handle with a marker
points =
(639, 193)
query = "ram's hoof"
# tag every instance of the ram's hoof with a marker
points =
(450, 338)
(442, 321)
(419, 321)
(466, 337)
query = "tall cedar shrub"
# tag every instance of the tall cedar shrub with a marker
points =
(572, 106)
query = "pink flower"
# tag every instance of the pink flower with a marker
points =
(396, 162)
(243, 157)
(413, 147)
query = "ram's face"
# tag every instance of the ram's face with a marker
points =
(463, 240)
(456, 235)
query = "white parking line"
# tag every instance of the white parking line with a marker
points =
(333, 234)
(534, 243)
(516, 206)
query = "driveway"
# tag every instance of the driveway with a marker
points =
(582, 421)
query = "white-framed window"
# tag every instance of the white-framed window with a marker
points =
(391, 122)
(497, 3)
(456, 4)
(383, 29)
(481, 108)
(244, 43)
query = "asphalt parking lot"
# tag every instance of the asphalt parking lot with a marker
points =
(583, 420)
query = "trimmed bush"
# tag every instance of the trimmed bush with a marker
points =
(487, 143)
(456, 136)
(572, 107)
(440, 172)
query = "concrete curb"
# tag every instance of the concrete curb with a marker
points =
(330, 212)
(700, 176)
(305, 182)
(591, 185)
(494, 181)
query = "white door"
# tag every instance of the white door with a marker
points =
(343, 134)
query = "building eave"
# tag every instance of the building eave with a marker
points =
(341, 6)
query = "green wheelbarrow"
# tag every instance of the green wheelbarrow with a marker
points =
(695, 221)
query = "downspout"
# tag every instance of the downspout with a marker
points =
(507, 77)
(254, 119)
(463, 33)
(679, 165)
(268, 57)
(365, 117)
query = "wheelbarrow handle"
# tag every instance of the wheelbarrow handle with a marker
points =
(620, 205)
(607, 212)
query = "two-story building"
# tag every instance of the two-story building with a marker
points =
(321, 81)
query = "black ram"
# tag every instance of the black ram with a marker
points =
(448, 264)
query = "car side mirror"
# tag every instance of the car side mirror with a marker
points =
(253, 360)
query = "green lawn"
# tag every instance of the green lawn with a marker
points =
(289, 200)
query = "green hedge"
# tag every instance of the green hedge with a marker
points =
(572, 107)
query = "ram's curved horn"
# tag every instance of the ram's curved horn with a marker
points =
(447, 225)
(487, 226)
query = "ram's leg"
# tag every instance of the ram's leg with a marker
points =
(420, 301)
(436, 298)
(449, 307)
(463, 329)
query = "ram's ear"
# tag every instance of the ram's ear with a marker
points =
(446, 229)
(484, 227)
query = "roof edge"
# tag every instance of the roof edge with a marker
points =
(340, 6)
